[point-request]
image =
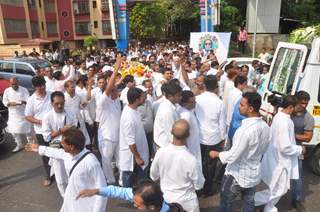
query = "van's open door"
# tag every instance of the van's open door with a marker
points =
(284, 75)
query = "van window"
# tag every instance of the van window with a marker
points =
(24, 69)
(6, 67)
(285, 70)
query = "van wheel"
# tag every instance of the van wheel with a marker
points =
(315, 162)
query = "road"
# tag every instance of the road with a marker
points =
(21, 189)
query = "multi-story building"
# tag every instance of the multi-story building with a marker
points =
(56, 20)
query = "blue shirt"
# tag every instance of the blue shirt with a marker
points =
(235, 121)
(125, 194)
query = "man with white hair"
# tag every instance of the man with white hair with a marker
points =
(15, 98)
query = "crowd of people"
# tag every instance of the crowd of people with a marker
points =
(189, 129)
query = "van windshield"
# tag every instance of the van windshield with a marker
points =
(40, 64)
(285, 70)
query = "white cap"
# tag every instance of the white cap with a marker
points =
(144, 89)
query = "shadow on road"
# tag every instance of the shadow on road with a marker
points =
(20, 177)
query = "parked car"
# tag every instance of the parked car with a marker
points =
(244, 61)
(23, 69)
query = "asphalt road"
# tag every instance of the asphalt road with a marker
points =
(21, 189)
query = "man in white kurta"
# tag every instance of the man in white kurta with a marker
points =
(133, 147)
(166, 115)
(15, 98)
(210, 113)
(38, 105)
(75, 102)
(280, 162)
(87, 174)
(54, 124)
(178, 171)
(109, 123)
(186, 112)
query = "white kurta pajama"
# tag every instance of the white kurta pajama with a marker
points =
(87, 174)
(75, 104)
(180, 176)
(53, 122)
(193, 141)
(108, 133)
(17, 124)
(132, 132)
(165, 118)
(280, 162)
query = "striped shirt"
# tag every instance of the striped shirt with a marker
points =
(244, 158)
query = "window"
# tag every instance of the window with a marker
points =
(83, 28)
(95, 23)
(34, 27)
(104, 5)
(12, 2)
(15, 26)
(106, 27)
(52, 28)
(6, 67)
(94, 4)
(49, 6)
(81, 7)
(285, 70)
(24, 69)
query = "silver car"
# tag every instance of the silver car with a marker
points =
(23, 69)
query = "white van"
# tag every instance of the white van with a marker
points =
(296, 67)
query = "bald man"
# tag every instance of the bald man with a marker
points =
(15, 98)
(177, 169)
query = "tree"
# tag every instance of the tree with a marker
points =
(230, 17)
(147, 20)
(90, 41)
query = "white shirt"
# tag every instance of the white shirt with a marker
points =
(132, 132)
(96, 94)
(49, 84)
(282, 153)
(73, 103)
(156, 104)
(192, 75)
(87, 174)
(229, 85)
(211, 116)
(193, 141)
(38, 108)
(165, 118)
(234, 96)
(244, 158)
(53, 121)
(179, 174)
(16, 122)
(109, 120)
(123, 96)
(67, 70)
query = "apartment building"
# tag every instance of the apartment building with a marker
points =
(56, 20)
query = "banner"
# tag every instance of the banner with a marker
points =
(203, 42)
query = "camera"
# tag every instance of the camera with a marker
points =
(276, 100)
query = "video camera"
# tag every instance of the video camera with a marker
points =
(276, 99)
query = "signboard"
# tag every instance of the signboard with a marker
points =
(219, 42)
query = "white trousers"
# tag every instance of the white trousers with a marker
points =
(271, 196)
(191, 205)
(21, 138)
(109, 150)
(59, 171)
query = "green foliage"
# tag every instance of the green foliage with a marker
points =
(230, 17)
(90, 41)
(180, 9)
(147, 20)
(305, 35)
(306, 11)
